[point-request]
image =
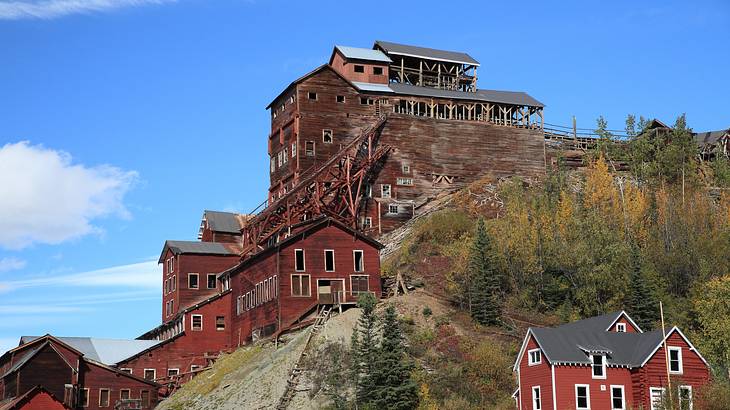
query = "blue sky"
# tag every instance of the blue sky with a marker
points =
(122, 120)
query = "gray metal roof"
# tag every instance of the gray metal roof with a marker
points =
(227, 222)
(363, 54)
(424, 52)
(105, 351)
(504, 97)
(195, 247)
(382, 88)
(23, 360)
(709, 137)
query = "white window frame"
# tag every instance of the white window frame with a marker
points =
(531, 362)
(362, 260)
(129, 393)
(367, 222)
(406, 168)
(224, 324)
(154, 374)
(652, 404)
(85, 397)
(391, 207)
(108, 396)
(333, 260)
(536, 398)
(325, 132)
(603, 366)
(678, 349)
(192, 323)
(404, 181)
(176, 370)
(198, 280)
(621, 327)
(383, 191)
(691, 395)
(309, 288)
(215, 281)
(588, 396)
(126, 370)
(360, 276)
(194, 367)
(304, 260)
(293, 149)
(314, 149)
(623, 396)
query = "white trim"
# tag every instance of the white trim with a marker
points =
(621, 327)
(124, 370)
(362, 260)
(552, 382)
(623, 396)
(108, 396)
(352, 292)
(588, 396)
(291, 287)
(192, 323)
(651, 401)
(333, 260)
(524, 346)
(691, 347)
(591, 356)
(304, 261)
(85, 395)
(198, 280)
(537, 389)
(691, 395)
(671, 349)
(207, 279)
(129, 395)
(626, 315)
(154, 374)
(530, 362)
(177, 372)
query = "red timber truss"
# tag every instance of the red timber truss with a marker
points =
(334, 189)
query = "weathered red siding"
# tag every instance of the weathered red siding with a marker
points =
(95, 377)
(347, 69)
(535, 375)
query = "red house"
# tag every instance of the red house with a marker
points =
(76, 370)
(606, 362)
(322, 262)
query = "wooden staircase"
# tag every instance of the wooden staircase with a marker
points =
(295, 373)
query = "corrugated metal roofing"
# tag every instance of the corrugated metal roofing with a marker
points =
(105, 351)
(504, 97)
(381, 88)
(424, 52)
(363, 54)
(227, 222)
(195, 247)
(709, 137)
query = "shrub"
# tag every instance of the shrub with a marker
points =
(427, 311)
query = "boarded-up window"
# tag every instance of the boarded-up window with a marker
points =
(299, 260)
(220, 323)
(211, 281)
(309, 148)
(359, 284)
(145, 396)
(300, 285)
(359, 263)
(196, 322)
(329, 260)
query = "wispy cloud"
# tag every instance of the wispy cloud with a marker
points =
(49, 9)
(11, 263)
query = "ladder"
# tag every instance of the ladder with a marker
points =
(296, 371)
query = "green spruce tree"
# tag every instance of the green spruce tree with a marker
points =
(641, 304)
(484, 299)
(364, 348)
(393, 386)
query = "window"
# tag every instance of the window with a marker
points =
(621, 327)
(196, 322)
(617, 398)
(368, 191)
(145, 396)
(285, 156)
(534, 357)
(192, 281)
(327, 136)
(312, 95)
(172, 372)
(167, 285)
(150, 374)
(194, 367)
(367, 222)
(299, 260)
(404, 181)
(124, 394)
(685, 397)
(385, 191)
(340, 98)
(172, 307)
(85, 398)
(359, 284)
(675, 360)
(358, 259)
(329, 260)
(392, 208)
(377, 70)
(536, 402)
(125, 370)
(220, 323)
(273, 164)
(406, 168)
(656, 397)
(582, 397)
(366, 101)
(212, 281)
(174, 283)
(598, 366)
(309, 148)
(359, 68)
(300, 285)
(293, 149)
(280, 158)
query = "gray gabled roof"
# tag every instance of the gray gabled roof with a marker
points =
(227, 222)
(504, 97)
(195, 247)
(709, 137)
(424, 52)
(367, 54)
(105, 351)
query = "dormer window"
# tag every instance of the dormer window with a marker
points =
(621, 327)
(598, 366)
(534, 357)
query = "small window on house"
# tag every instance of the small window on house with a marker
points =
(293, 149)
(124, 394)
(212, 281)
(329, 260)
(675, 360)
(300, 285)
(359, 284)
(312, 95)
(327, 136)
(274, 114)
(368, 191)
(359, 68)
(309, 148)
(366, 101)
(404, 181)
(125, 370)
(534, 357)
(536, 399)
(150, 374)
(685, 397)
(145, 396)
(582, 397)
(392, 208)
(273, 164)
(280, 158)
(340, 98)
(299, 265)
(618, 401)
(103, 397)
(621, 327)
(193, 281)
(172, 372)
(598, 366)
(194, 367)
(385, 191)
(85, 398)
(377, 70)
(358, 259)
(286, 155)
(367, 222)
(406, 168)
(196, 322)
(220, 323)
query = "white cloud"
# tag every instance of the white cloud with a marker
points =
(48, 9)
(11, 263)
(144, 275)
(48, 199)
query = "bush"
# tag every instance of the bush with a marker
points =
(714, 396)
(427, 311)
